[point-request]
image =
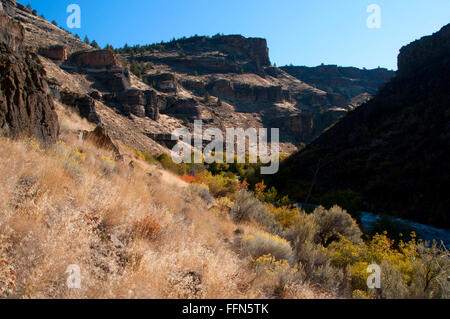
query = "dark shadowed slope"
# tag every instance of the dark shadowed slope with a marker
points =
(393, 150)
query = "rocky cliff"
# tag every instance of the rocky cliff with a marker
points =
(244, 88)
(348, 85)
(394, 150)
(26, 109)
(226, 81)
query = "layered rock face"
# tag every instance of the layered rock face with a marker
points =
(57, 53)
(254, 50)
(100, 58)
(26, 108)
(394, 150)
(12, 34)
(344, 84)
(220, 54)
(141, 103)
(238, 71)
(166, 82)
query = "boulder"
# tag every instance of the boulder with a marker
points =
(96, 95)
(101, 139)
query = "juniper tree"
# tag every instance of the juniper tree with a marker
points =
(207, 97)
(95, 44)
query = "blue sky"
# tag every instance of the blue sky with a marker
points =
(298, 31)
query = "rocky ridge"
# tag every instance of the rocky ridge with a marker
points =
(226, 81)
(348, 86)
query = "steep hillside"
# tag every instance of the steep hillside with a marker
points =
(394, 150)
(132, 229)
(39, 33)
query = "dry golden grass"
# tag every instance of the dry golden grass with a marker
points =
(133, 235)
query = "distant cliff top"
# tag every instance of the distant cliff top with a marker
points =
(350, 82)
(234, 47)
(424, 52)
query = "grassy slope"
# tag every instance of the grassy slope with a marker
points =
(133, 235)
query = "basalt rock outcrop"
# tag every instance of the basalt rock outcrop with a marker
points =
(394, 149)
(26, 108)
(83, 103)
(420, 54)
(12, 34)
(342, 83)
(57, 53)
(103, 66)
(138, 102)
(96, 59)
(166, 82)
(221, 54)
